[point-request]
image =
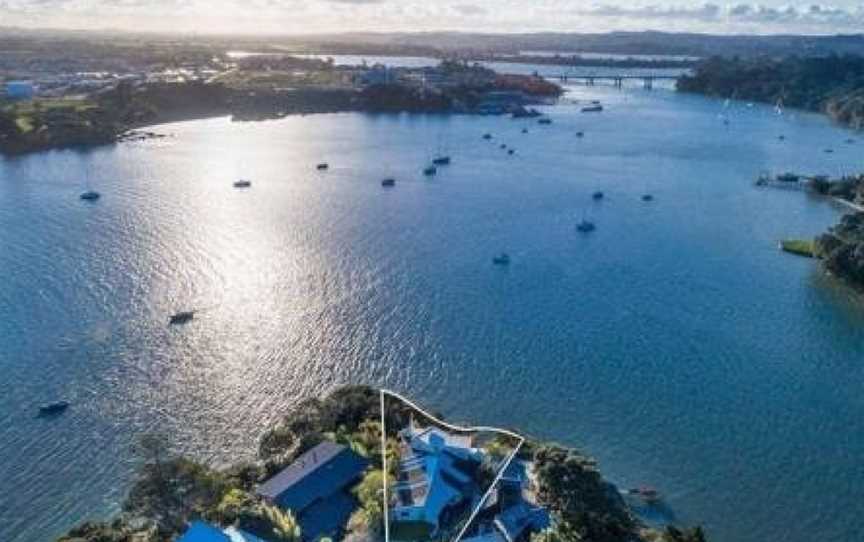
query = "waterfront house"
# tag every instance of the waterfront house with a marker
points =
(435, 473)
(510, 514)
(316, 489)
(199, 531)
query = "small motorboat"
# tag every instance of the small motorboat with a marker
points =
(501, 259)
(781, 137)
(592, 108)
(388, 183)
(586, 226)
(850, 141)
(544, 120)
(91, 195)
(788, 177)
(647, 197)
(487, 136)
(524, 130)
(648, 494)
(828, 151)
(242, 183)
(52, 409)
(430, 171)
(597, 195)
(441, 161)
(183, 317)
(580, 134)
(322, 166)
(511, 152)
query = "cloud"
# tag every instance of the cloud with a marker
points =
(470, 10)
(812, 15)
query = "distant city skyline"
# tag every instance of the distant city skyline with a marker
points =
(324, 16)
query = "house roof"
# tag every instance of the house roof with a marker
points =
(199, 531)
(322, 471)
(513, 521)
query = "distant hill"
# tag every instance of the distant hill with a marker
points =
(650, 42)
(438, 43)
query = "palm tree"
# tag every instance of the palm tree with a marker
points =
(285, 526)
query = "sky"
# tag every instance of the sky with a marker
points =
(317, 16)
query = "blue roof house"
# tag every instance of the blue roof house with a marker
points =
(433, 474)
(315, 488)
(199, 531)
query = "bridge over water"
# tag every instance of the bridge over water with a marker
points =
(617, 80)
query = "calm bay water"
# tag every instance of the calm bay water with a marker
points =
(675, 343)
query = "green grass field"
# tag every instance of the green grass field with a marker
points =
(800, 247)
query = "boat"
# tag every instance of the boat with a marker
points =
(501, 259)
(242, 183)
(592, 108)
(430, 170)
(441, 161)
(829, 151)
(91, 195)
(487, 136)
(182, 317)
(586, 226)
(850, 141)
(781, 137)
(502, 146)
(544, 121)
(648, 494)
(788, 177)
(524, 130)
(647, 197)
(322, 166)
(580, 134)
(52, 409)
(523, 113)
(511, 151)
(598, 195)
(387, 183)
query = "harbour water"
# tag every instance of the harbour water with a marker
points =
(675, 343)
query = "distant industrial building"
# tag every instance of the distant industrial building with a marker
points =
(19, 90)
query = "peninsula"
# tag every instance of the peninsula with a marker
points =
(831, 84)
(257, 87)
(319, 476)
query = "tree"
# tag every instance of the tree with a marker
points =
(587, 508)
(283, 524)
(673, 534)
(370, 493)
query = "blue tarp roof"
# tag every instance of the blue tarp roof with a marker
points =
(199, 531)
(322, 471)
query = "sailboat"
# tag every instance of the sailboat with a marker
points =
(441, 158)
(90, 194)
